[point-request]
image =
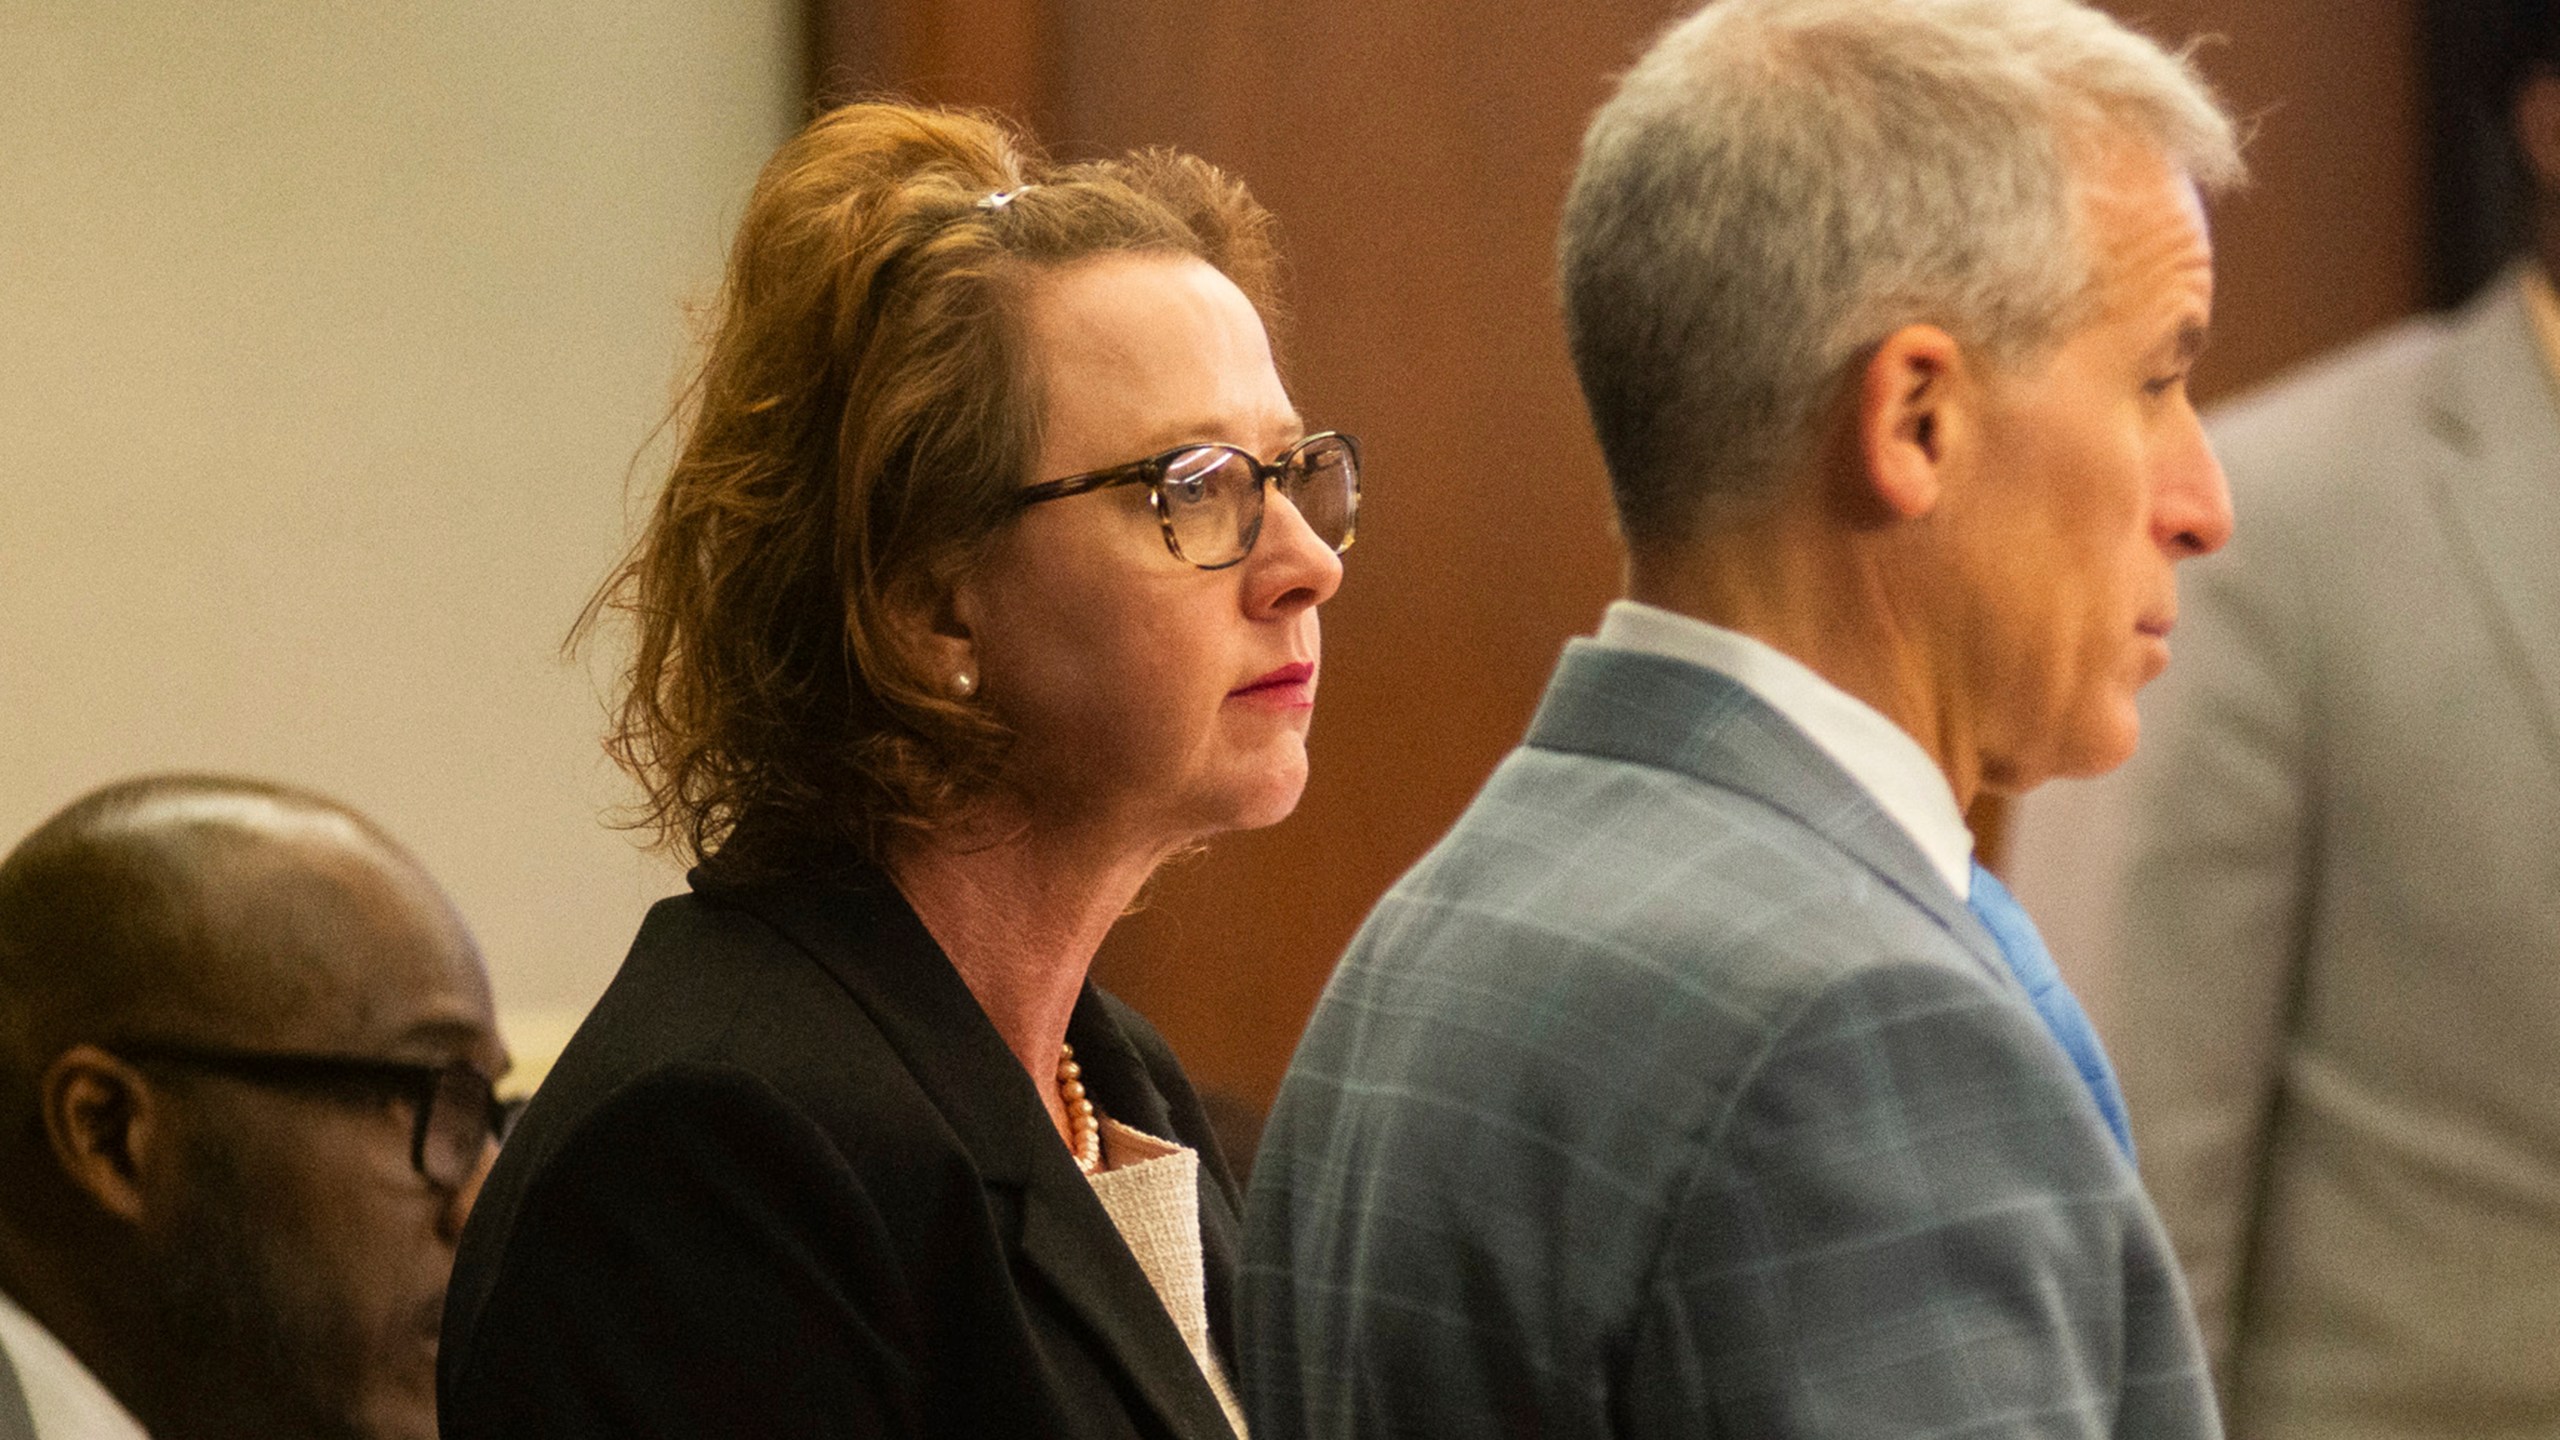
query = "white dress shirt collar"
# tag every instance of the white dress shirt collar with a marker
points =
(1885, 761)
(66, 1401)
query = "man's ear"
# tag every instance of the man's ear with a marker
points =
(1907, 419)
(2537, 122)
(103, 1120)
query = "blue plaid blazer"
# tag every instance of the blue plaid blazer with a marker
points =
(1673, 1094)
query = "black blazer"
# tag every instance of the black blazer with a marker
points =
(788, 1181)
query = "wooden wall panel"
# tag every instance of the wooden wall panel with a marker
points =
(2328, 241)
(993, 53)
(1416, 152)
(1416, 156)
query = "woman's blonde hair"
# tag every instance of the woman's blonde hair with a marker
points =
(849, 445)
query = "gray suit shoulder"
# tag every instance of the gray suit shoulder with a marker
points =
(2355, 426)
(2341, 384)
(1700, 891)
(1599, 958)
(1635, 1072)
(2314, 432)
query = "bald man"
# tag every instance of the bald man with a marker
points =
(246, 1050)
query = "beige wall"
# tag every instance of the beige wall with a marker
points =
(327, 332)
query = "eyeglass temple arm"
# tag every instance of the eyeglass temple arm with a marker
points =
(1138, 472)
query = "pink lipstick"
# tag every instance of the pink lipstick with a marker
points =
(1291, 687)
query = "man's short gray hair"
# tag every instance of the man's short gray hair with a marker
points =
(1779, 184)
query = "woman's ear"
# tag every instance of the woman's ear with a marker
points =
(935, 619)
(1908, 420)
(104, 1122)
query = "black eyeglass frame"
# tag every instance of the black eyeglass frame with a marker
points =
(1151, 472)
(418, 1082)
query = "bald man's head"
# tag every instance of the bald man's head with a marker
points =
(242, 1034)
(159, 897)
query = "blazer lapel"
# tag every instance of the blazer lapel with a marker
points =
(1115, 1068)
(1095, 1273)
(1117, 1299)
(2497, 483)
(1671, 715)
(1221, 1253)
(906, 984)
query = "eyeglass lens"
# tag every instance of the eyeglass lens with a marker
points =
(1324, 483)
(457, 1127)
(1212, 498)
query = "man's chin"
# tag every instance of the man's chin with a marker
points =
(2081, 753)
(2102, 748)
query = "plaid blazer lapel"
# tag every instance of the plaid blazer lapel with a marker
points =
(1671, 715)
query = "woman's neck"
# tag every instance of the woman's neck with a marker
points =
(1021, 919)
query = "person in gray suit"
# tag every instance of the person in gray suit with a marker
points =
(2339, 1006)
(246, 1048)
(1699, 1082)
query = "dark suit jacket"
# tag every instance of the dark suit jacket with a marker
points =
(788, 1181)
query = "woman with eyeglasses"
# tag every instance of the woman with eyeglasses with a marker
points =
(986, 579)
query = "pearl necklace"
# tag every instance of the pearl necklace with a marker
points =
(1084, 1129)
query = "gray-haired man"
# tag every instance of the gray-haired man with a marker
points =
(1699, 1083)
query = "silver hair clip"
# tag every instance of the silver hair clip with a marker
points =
(1001, 198)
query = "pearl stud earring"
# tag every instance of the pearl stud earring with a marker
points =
(964, 685)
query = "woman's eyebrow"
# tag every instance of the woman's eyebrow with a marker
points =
(1282, 430)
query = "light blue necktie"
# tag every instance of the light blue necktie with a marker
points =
(2023, 948)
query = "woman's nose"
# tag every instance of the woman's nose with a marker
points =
(1291, 567)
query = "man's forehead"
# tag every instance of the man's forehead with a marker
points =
(2140, 213)
(323, 937)
(2150, 260)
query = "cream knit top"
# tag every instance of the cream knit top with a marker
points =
(1151, 1189)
